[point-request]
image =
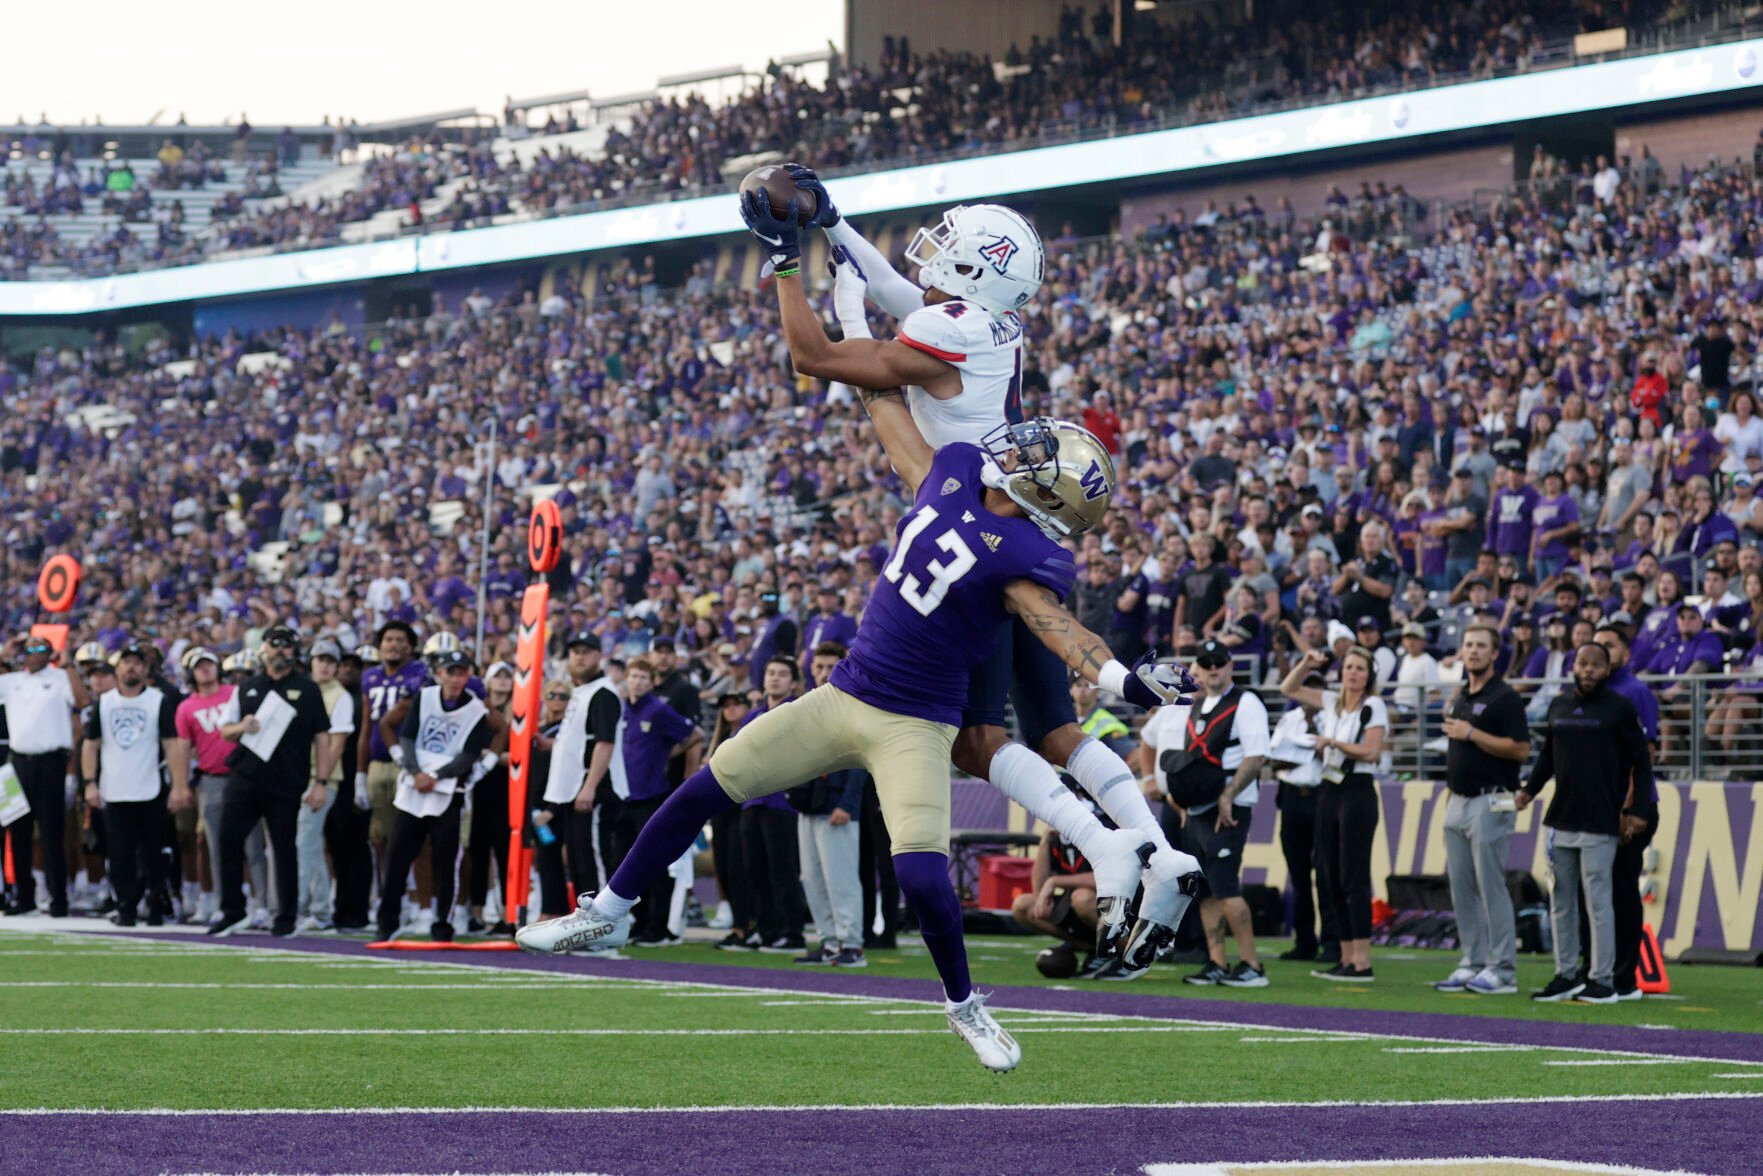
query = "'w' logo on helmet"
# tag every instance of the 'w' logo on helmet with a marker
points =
(999, 253)
(1094, 483)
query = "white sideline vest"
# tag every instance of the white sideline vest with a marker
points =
(128, 764)
(440, 739)
(569, 754)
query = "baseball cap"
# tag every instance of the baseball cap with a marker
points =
(280, 635)
(1413, 630)
(585, 637)
(1474, 580)
(1311, 508)
(453, 658)
(498, 669)
(1212, 655)
(661, 642)
(729, 696)
(325, 647)
(1620, 617)
(1687, 607)
(1366, 622)
(132, 649)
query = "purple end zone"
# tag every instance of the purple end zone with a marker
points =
(1709, 1136)
(1690, 1043)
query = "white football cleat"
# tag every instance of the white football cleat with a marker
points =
(1171, 878)
(973, 1023)
(582, 929)
(1122, 860)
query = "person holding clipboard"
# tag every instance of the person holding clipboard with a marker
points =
(286, 748)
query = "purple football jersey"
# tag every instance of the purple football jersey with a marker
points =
(939, 601)
(383, 689)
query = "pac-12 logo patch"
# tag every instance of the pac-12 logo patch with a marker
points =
(999, 253)
(1094, 484)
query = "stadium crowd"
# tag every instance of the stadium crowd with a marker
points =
(1076, 82)
(1541, 416)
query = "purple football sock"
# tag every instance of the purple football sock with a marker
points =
(669, 832)
(924, 880)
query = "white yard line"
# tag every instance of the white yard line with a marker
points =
(208, 1031)
(915, 1109)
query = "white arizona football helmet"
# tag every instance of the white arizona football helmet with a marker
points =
(985, 253)
(1062, 475)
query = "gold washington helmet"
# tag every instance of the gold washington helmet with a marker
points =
(195, 654)
(1061, 474)
(90, 654)
(441, 642)
(369, 654)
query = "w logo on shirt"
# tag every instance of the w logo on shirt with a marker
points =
(999, 253)
(1094, 482)
(127, 726)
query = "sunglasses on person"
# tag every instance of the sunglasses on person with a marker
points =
(280, 642)
(38, 647)
(557, 697)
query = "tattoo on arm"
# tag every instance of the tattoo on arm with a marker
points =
(1077, 646)
(870, 395)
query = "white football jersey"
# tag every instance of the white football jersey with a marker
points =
(987, 350)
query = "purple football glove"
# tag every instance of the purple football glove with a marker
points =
(1153, 684)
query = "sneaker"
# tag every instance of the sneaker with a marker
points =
(224, 926)
(850, 957)
(738, 941)
(391, 936)
(501, 930)
(822, 955)
(281, 930)
(441, 932)
(20, 909)
(1488, 982)
(1629, 994)
(664, 939)
(1457, 981)
(1345, 973)
(784, 945)
(996, 1049)
(1245, 976)
(58, 910)
(1094, 967)
(582, 929)
(260, 919)
(475, 926)
(724, 918)
(1595, 993)
(122, 918)
(1328, 973)
(307, 924)
(1211, 974)
(1559, 989)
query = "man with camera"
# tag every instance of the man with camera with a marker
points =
(1208, 759)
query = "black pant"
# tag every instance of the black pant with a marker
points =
(345, 832)
(43, 777)
(1297, 841)
(408, 834)
(774, 865)
(731, 867)
(649, 917)
(875, 865)
(1346, 821)
(572, 836)
(489, 833)
(242, 806)
(137, 832)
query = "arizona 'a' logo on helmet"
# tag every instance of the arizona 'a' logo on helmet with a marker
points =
(986, 254)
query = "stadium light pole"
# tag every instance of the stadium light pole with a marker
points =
(483, 544)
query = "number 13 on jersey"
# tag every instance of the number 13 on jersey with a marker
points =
(942, 575)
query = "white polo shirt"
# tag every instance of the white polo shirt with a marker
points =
(1167, 730)
(39, 710)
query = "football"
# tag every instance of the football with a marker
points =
(780, 189)
(1057, 963)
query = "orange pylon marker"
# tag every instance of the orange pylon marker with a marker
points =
(1651, 973)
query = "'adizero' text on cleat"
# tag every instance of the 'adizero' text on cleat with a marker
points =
(572, 932)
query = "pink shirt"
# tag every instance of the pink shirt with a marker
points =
(199, 723)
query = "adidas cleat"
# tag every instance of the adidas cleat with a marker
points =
(973, 1023)
(583, 929)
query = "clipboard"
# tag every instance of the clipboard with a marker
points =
(273, 717)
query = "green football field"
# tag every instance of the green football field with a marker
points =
(106, 1023)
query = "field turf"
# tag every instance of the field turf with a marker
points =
(104, 1023)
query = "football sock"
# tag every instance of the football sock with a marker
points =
(668, 834)
(1105, 776)
(924, 880)
(1032, 783)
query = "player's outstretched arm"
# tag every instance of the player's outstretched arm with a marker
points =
(861, 363)
(887, 288)
(1147, 684)
(905, 445)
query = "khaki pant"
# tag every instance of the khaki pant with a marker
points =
(827, 730)
(382, 786)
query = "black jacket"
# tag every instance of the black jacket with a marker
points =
(1591, 747)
